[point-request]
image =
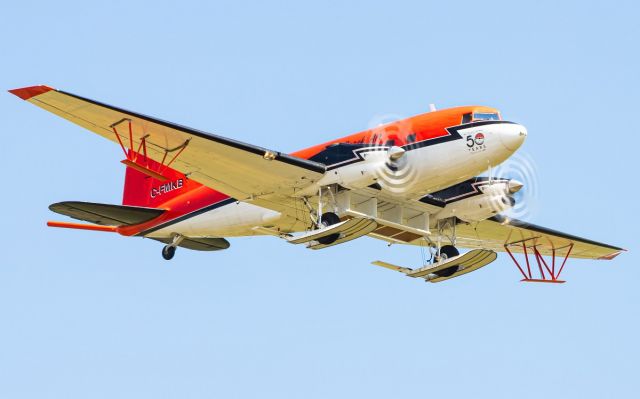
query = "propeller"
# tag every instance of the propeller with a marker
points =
(394, 170)
(522, 187)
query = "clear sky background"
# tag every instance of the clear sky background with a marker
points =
(94, 315)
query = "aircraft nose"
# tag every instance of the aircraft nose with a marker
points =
(512, 136)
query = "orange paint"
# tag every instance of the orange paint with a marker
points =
(424, 126)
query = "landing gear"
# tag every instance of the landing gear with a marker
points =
(168, 251)
(328, 219)
(448, 251)
(446, 229)
(322, 220)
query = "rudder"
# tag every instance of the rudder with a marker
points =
(141, 188)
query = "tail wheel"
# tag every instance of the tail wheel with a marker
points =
(168, 251)
(329, 219)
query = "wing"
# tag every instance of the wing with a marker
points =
(246, 172)
(499, 231)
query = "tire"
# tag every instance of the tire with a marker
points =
(447, 252)
(329, 219)
(168, 252)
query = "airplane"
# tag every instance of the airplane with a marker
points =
(414, 181)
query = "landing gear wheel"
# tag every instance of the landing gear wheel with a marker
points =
(447, 252)
(329, 219)
(168, 251)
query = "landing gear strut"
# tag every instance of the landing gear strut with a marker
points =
(322, 220)
(169, 250)
(446, 229)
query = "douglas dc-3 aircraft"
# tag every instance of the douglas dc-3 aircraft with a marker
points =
(413, 181)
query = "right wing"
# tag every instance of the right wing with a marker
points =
(243, 171)
(499, 232)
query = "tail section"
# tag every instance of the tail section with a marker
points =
(149, 184)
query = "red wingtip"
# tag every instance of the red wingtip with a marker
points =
(612, 255)
(26, 93)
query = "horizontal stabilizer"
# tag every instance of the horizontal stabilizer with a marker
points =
(106, 214)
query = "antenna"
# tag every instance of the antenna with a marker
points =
(432, 107)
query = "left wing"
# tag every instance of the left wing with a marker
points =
(243, 171)
(499, 231)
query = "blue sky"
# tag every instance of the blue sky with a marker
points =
(97, 315)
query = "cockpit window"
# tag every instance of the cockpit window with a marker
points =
(486, 116)
(466, 118)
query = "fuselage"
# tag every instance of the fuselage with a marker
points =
(434, 151)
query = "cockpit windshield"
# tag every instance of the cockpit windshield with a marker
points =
(486, 116)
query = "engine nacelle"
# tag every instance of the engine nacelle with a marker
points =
(355, 175)
(489, 198)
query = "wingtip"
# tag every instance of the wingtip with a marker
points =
(26, 93)
(612, 255)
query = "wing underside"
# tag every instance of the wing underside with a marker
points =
(499, 232)
(243, 171)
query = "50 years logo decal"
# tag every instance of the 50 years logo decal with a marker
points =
(475, 142)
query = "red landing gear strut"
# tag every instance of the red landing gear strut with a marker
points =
(552, 276)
